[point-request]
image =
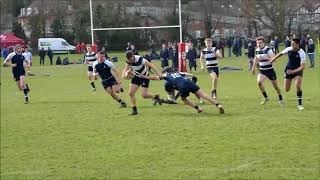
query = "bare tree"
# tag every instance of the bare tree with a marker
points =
(272, 14)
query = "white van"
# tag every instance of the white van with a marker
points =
(57, 45)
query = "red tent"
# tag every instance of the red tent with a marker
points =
(8, 40)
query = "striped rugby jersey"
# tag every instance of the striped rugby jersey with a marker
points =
(90, 57)
(263, 55)
(210, 56)
(138, 66)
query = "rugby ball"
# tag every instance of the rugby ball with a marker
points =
(129, 74)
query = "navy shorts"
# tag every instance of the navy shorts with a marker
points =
(140, 81)
(109, 82)
(90, 68)
(270, 73)
(213, 70)
(292, 76)
(17, 74)
(187, 88)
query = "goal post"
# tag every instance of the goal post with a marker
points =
(133, 28)
(182, 47)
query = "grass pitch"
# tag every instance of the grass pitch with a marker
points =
(70, 132)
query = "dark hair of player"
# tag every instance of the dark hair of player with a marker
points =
(261, 38)
(129, 54)
(296, 40)
(101, 52)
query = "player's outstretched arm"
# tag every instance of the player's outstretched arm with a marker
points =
(152, 66)
(276, 57)
(151, 77)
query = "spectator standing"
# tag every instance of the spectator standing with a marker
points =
(5, 52)
(175, 61)
(303, 44)
(192, 57)
(221, 46)
(128, 46)
(251, 54)
(42, 54)
(287, 42)
(50, 55)
(229, 43)
(198, 48)
(272, 45)
(164, 55)
(276, 45)
(237, 46)
(311, 52)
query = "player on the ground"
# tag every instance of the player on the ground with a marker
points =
(210, 55)
(172, 96)
(294, 68)
(263, 56)
(90, 58)
(140, 66)
(185, 86)
(16, 60)
(110, 77)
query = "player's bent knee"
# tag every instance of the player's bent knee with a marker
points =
(145, 95)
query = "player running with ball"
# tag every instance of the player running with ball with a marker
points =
(135, 67)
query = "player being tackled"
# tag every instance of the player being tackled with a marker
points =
(136, 66)
(185, 86)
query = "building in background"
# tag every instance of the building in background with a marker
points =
(48, 10)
